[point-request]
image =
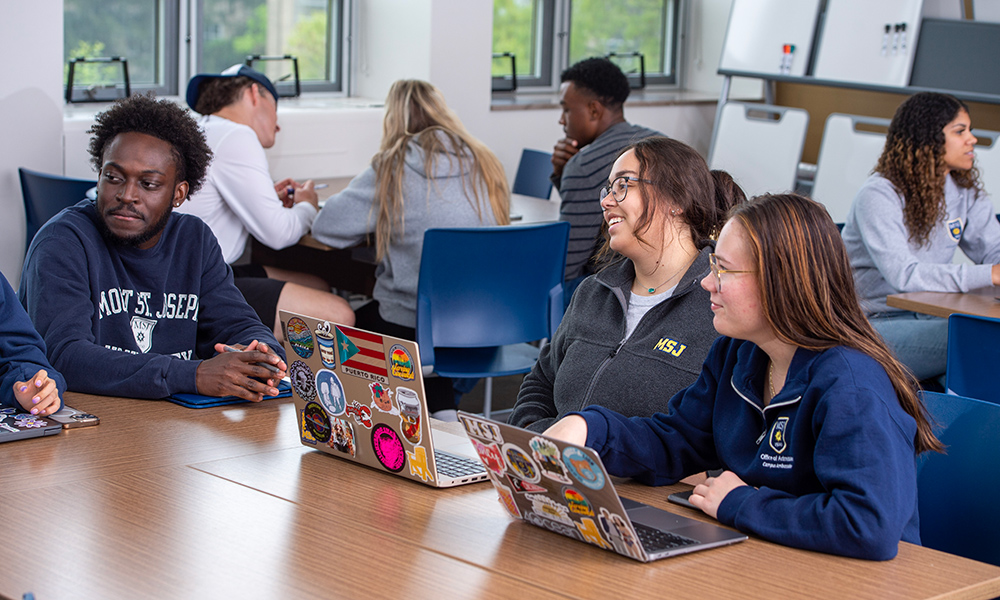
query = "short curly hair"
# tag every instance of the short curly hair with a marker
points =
(161, 119)
(602, 77)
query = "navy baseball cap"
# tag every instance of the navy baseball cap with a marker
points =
(194, 86)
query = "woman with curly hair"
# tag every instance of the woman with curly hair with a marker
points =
(923, 202)
(429, 172)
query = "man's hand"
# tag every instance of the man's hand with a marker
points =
(237, 373)
(38, 396)
(709, 495)
(563, 151)
(291, 192)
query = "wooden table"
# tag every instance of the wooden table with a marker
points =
(982, 302)
(161, 501)
(353, 269)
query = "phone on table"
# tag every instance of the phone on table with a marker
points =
(72, 418)
(682, 498)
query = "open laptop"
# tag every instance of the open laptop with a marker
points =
(564, 488)
(360, 396)
(18, 424)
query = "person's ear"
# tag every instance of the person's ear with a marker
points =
(595, 109)
(180, 194)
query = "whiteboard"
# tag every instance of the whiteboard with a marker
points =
(847, 157)
(986, 10)
(854, 46)
(758, 31)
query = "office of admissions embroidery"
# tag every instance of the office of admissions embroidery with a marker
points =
(671, 347)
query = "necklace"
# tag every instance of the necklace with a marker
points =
(770, 377)
(653, 289)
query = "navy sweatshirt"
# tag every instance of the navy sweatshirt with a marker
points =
(830, 463)
(121, 321)
(22, 351)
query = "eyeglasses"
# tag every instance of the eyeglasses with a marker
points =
(618, 188)
(713, 263)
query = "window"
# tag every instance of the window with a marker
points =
(154, 37)
(546, 36)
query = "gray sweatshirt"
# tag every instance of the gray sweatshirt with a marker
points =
(438, 200)
(589, 361)
(885, 261)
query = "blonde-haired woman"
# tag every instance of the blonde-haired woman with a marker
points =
(429, 172)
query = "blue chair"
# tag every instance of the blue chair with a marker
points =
(533, 173)
(484, 294)
(45, 195)
(959, 492)
(973, 357)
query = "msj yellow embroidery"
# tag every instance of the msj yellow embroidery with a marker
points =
(671, 347)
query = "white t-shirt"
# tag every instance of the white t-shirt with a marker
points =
(638, 306)
(238, 197)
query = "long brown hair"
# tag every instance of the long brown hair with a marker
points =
(913, 160)
(808, 294)
(680, 180)
(415, 107)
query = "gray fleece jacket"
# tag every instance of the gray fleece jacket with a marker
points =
(588, 363)
(885, 261)
(429, 200)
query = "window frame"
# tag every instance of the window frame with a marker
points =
(178, 32)
(553, 45)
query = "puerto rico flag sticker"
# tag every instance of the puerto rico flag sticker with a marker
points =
(955, 229)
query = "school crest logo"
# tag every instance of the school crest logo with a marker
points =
(142, 331)
(955, 229)
(777, 439)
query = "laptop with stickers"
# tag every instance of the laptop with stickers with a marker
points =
(564, 488)
(359, 396)
(18, 424)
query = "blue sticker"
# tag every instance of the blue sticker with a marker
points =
(331, 392)
(583, 468)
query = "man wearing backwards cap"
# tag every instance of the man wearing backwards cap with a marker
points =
(239, 109)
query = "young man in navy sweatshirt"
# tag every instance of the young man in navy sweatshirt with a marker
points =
(131, 299)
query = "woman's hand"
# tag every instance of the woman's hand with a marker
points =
(38, 396)
(709, 495)
(572, 429)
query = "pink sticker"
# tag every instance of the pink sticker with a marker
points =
(388, 448)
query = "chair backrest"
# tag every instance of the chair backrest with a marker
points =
(490, 286)
(759, 145)
(533, 172)
(846, 159)
(973, 357)
(988, 163)
(959, 492)
(45, 195)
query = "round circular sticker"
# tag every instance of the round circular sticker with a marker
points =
(302, 380)
(401, 365)
(299, 337)
(317, 422)
(521, 463)
(388, 448)
(582, 468)
(331, 392)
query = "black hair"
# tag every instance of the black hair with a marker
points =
(218, 93)
(602, 77)
(161, 119)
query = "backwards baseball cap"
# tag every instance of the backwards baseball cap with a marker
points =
(194, 86)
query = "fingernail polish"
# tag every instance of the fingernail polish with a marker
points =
(24, 388)
(35, 400)
(34, 411)
(38, 382)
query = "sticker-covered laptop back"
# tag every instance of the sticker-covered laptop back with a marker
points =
(358, 396)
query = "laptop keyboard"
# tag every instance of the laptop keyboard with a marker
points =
(451, 465)
(656, 540)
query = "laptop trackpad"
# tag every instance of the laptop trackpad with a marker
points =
(655, 517)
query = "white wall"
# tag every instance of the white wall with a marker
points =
(31, 118)
(447, 42)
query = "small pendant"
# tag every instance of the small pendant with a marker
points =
(651, 290)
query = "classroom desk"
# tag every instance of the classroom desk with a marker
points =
(160, 501)
(353, 269)
(982, 302)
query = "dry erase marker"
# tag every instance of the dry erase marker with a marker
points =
(885, 39)
(321, 186)
(895, 39)
(268, 366)
(902, 37)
